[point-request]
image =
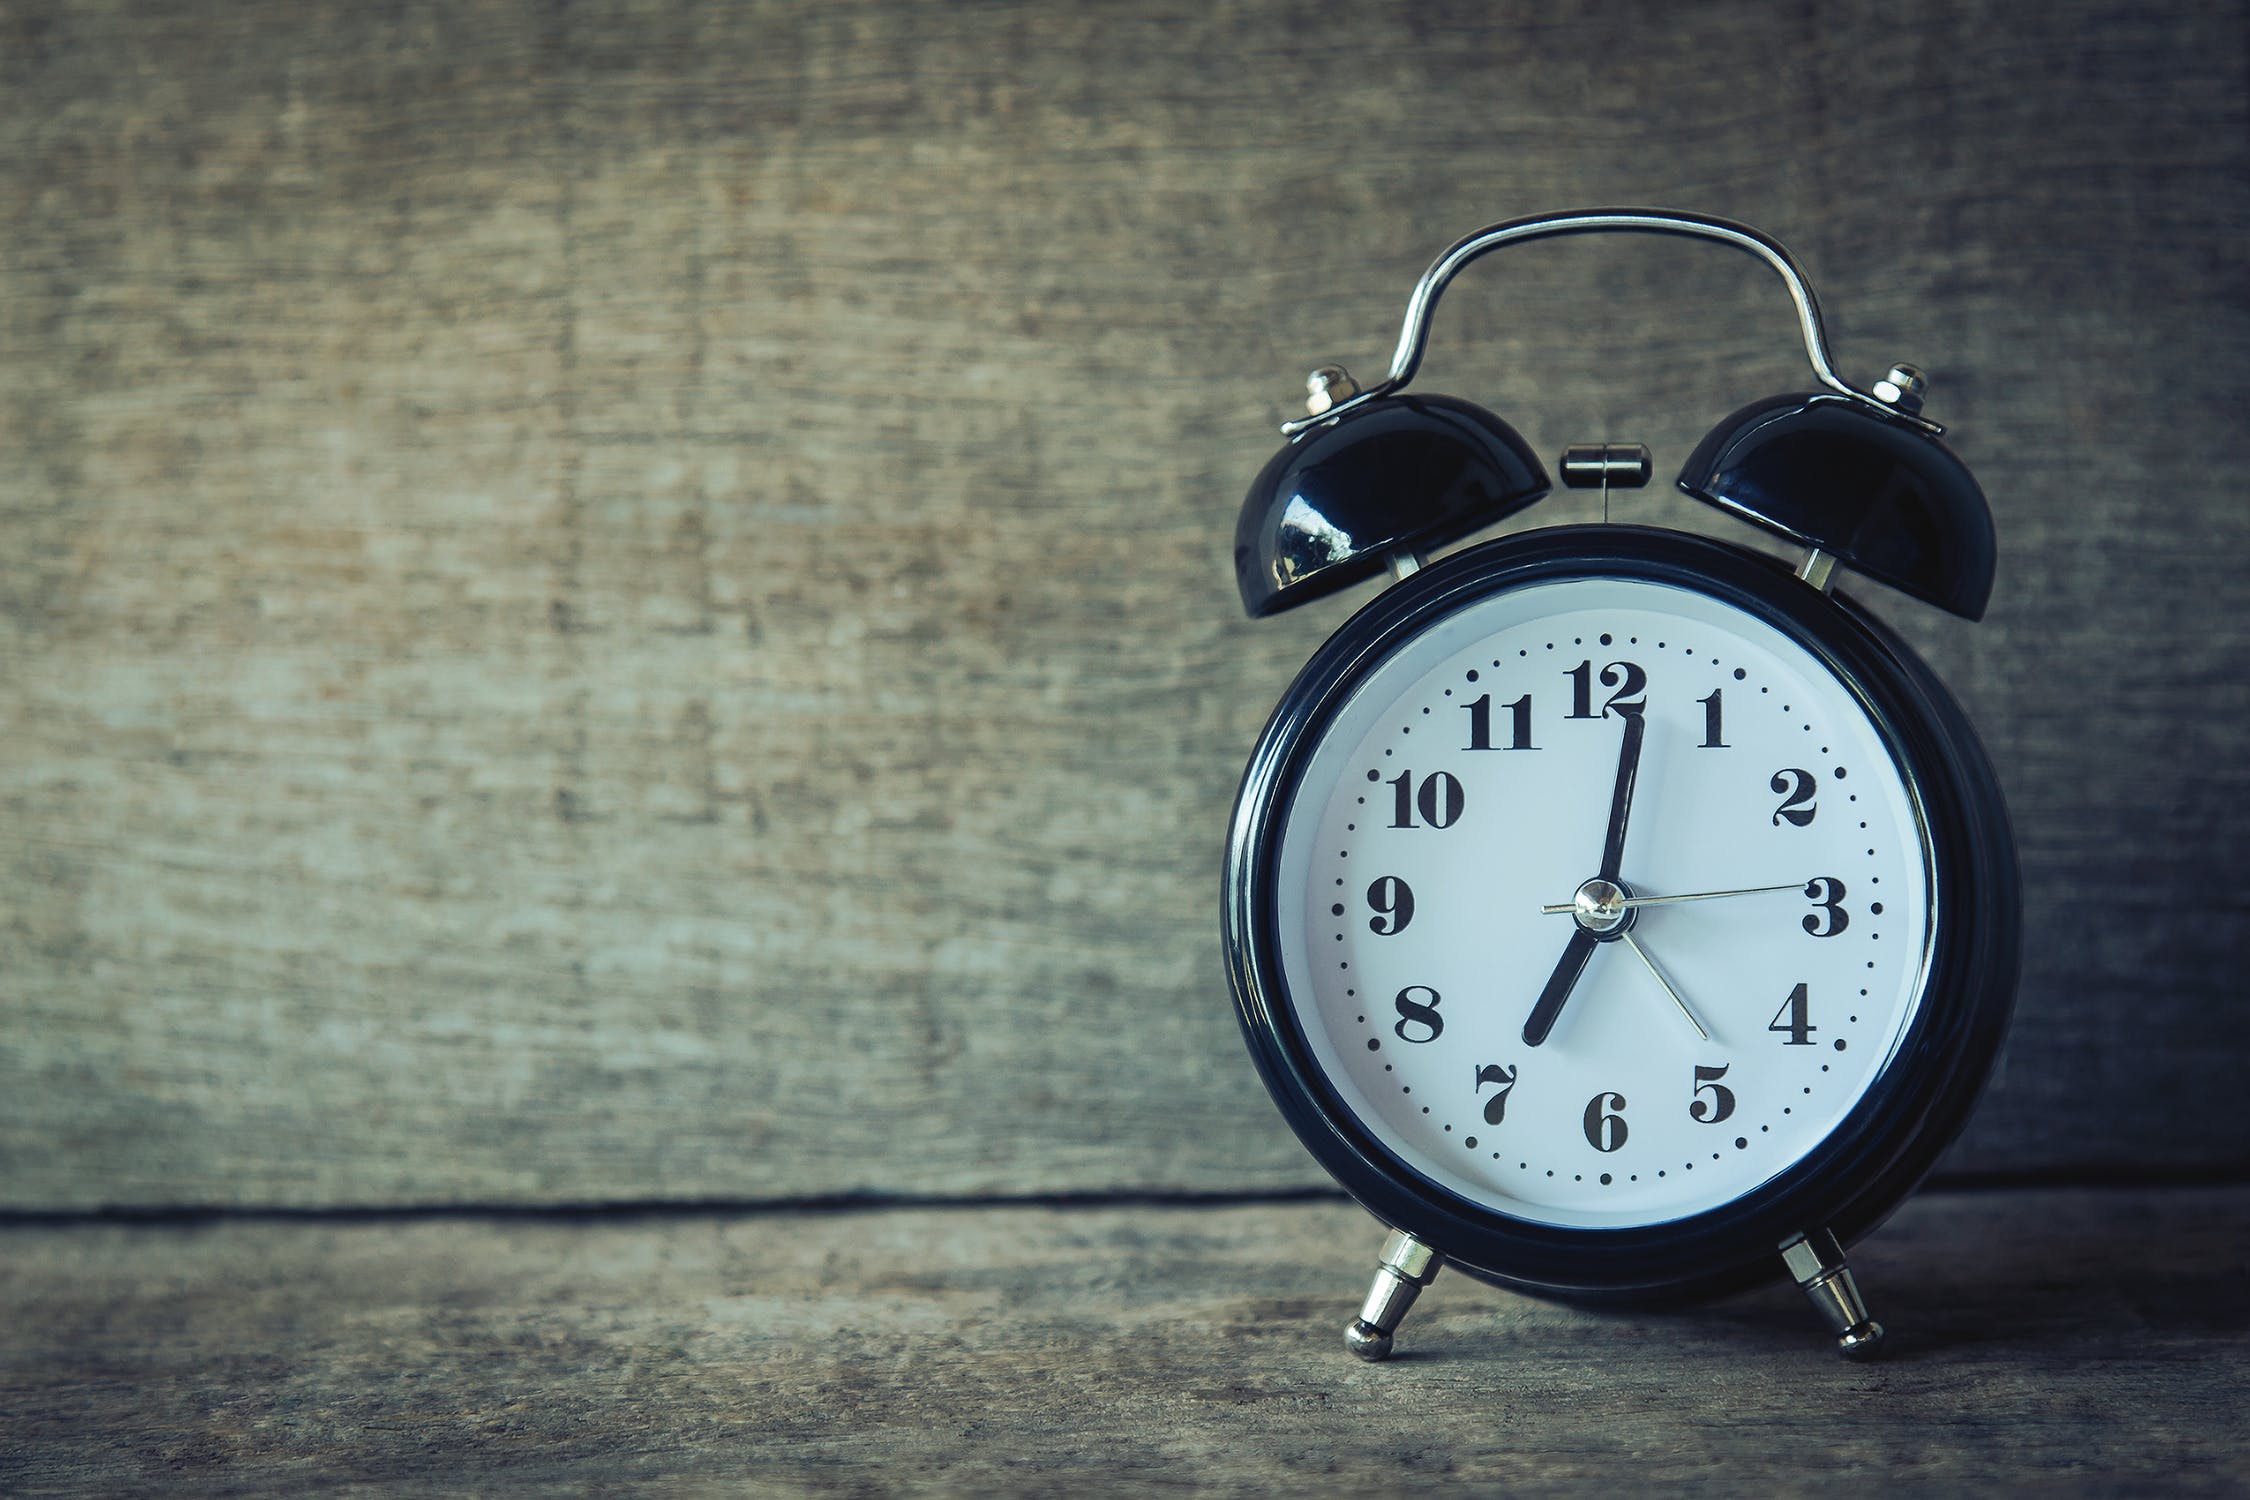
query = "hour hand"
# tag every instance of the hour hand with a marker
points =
(1559, 984)
(1581, 944)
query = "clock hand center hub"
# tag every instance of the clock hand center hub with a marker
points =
(1600, 908)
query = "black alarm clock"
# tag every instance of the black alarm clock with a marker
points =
(1618, 913)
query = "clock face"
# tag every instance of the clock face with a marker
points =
(1634, 1057)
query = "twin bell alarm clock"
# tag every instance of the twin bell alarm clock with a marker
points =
(1618, 913)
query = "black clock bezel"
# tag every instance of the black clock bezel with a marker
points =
(1914, 1108)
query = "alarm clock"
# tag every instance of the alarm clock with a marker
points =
(1619, 914)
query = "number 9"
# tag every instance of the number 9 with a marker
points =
(1390, 897)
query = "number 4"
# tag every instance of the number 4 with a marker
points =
(1798, 1008)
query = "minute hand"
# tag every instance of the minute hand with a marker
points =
(1581, 946)
(1621, 798)
(1630, 901)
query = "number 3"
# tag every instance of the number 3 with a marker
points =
(1827, 893)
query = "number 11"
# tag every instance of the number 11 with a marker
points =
(1480, 723)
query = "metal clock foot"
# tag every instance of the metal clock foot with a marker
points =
(1817, 1261)
(1407, 1266)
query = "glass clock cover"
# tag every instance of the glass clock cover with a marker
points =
(1773, 958)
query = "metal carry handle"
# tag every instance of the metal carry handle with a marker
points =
(1422, 306)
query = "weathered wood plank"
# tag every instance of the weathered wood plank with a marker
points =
(2075, 1342)
(632, 602)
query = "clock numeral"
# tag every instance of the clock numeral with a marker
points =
(1629, 680)
(1392, 899)
(1827, 893)
(1797, 805)
(1415, 1012)
(1519, 726)
(1711, 739)
(1605, 1121)
(1721, 1103)
(1798, 1008)
(1439, 800)
(1496, 1107)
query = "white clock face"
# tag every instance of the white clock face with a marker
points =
(1634, 1059)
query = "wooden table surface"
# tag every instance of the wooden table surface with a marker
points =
(2046, 1341)
(616, 630)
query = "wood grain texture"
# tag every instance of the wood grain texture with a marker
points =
(1133, 1349)
(624, 602)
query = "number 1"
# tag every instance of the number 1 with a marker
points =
(1711, 740)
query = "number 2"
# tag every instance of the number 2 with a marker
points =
(1797, 804)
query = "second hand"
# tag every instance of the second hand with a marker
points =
(1632, 901)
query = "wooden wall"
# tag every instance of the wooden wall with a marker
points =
(622, 603)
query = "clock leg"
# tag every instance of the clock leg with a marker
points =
(1407, 1266)
(1817, 1261)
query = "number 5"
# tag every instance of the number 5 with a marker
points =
(1721, 1103)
